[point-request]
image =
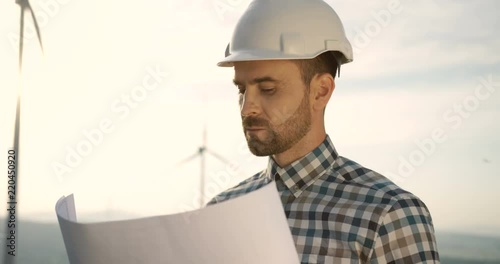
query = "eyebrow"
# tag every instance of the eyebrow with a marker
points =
(258, 80)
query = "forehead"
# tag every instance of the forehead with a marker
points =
(280, 70)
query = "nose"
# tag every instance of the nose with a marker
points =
(249, 105)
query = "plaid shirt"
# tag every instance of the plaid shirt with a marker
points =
(341, 212)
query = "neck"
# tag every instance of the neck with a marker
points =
(309, 142)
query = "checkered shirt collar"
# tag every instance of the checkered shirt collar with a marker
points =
(304, 171)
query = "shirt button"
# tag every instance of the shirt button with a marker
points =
(296, 188)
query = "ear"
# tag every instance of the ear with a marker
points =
(322, 86)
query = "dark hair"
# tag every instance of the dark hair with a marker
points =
(326, 62)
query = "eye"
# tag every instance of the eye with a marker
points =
(268, 90)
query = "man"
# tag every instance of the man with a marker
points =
(286, 54)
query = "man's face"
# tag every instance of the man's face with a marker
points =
(274, 104)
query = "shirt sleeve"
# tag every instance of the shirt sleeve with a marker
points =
(406, 235)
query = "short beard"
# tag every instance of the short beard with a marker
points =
(282, 137)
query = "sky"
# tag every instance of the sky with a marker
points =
(123, 90)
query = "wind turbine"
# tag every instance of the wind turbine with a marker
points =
(202, 150)
(25, 7)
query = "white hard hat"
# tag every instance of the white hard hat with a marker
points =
(287, 29)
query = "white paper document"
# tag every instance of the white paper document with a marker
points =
(248, 229)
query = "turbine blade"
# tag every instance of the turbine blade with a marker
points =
(218, 156)
(36, 24)
(21, 38)
(204, 135)
(192, 157)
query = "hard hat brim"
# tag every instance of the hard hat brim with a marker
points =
(252, 55)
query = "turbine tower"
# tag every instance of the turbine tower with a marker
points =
(202, 150)
(25, 7)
